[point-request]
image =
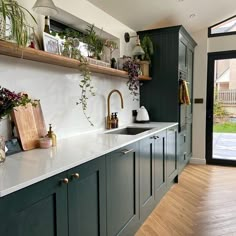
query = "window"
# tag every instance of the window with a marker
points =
(226, 27)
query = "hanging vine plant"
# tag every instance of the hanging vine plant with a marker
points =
(133, 83)
(86, 87)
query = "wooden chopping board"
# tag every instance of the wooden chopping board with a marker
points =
(30, 125)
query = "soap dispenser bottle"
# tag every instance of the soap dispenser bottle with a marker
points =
(116, 120)
(52, 135)
(113, 122)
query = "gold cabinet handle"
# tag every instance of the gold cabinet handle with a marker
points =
(75, 175)
(65, 181)
(124, 152)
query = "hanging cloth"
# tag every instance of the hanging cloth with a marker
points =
(183, 93)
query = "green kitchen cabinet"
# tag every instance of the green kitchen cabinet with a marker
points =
(87, 199)
(171, 155)
(152, 172)
(40, 209)
(147, 199)
(172, 62)
(123, 191)
(68, 204)
(160, 166)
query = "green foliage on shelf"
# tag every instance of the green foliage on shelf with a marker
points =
(147, 45)
(17, 16)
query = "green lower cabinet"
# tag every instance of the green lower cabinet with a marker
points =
(160, 166)
(40, 209)
(122, 191)
(87, 199)
(171, 155)
(182, 151)
(147, 201)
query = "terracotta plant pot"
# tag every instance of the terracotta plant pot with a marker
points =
(144, 66)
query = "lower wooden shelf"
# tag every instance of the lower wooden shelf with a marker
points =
(12, 50)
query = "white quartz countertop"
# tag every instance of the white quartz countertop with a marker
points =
(29, 167)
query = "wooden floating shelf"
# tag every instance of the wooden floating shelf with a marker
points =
(12, 50)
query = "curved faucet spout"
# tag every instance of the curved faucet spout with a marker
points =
(108, 106)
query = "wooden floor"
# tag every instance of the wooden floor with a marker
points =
(202, 204)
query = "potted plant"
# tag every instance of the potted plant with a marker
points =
(147, 47)
(94, 43)
(17, 16)
(133, 72)
(8, 102)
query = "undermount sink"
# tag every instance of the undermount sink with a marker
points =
(129, 131)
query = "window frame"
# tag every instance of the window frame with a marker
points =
(211, 35)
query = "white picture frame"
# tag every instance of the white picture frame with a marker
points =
(50, 43)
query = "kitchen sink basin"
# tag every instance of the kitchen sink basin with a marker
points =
(129, 131)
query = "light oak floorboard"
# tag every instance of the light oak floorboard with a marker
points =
(203, 203)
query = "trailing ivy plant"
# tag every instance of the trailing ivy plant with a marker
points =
(86, 87)
(17, 16)
(133, 83)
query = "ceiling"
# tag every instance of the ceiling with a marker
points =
(193, 14)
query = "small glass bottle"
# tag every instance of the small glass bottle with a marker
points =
(116, 120)
(47, 25)
(52, 135)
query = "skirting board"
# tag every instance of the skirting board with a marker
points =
(197, 161)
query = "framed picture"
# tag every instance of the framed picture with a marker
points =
(50, 43)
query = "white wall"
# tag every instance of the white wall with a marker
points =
(199, 110)
(58, 87)
(205, 45)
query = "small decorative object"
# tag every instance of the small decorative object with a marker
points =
(13, 146)
(45, 142)
(112, 47)
(133, 72)
(113, 63)
(17, 18)
(51, 43)
(2, 150)
(121, 61)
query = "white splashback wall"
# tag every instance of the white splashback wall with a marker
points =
(58, 90)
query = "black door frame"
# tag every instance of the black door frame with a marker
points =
(209, 105)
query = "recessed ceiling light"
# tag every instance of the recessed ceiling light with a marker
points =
(180, 0)
(192, 15)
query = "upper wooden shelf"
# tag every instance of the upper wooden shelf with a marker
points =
(11, 49)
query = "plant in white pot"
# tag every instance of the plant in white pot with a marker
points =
(10, 9)
(147, 47)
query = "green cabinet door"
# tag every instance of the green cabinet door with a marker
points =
(122, 191)
(171, 154)
(87, 199)
(39, 210)
(160, 165)
(147, 203)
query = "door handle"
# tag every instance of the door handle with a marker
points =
(124, 152)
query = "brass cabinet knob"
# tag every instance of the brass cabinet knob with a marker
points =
(65, 181)
(75, 175)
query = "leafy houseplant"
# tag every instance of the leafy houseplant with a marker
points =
(133, 72)
(17, 17)
(95, 44)
(147, 47)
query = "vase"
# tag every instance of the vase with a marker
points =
(2, 28)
